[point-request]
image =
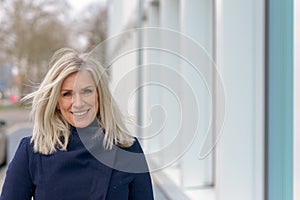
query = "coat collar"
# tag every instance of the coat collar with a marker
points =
(92, 138)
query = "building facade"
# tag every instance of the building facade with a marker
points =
(199, 82)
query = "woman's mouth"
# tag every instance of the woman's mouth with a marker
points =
(81, 113)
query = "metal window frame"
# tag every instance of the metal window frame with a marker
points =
(279, 100)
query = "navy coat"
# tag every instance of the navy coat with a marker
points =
(78, 174)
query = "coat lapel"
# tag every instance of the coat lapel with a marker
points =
(92, 138)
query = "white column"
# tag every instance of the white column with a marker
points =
(197, 23)
(153, 113)
(122, 58)
(115, 15)
(170, 13)
(169, 19)
(240, 150)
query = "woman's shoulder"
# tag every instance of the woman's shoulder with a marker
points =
(22, 154)
(131, 159)
(26, 141)
(25, 144)
(135, 147)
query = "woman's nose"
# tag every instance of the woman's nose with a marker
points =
(77, 101)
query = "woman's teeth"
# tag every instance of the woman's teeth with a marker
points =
(79, 113)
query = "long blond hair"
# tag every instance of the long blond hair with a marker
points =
(49, 125)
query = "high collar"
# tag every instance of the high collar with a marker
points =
(91, 128)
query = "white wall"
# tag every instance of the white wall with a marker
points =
(240, 59)
(240, 150)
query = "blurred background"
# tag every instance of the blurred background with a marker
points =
(211, 86)
(32, 30)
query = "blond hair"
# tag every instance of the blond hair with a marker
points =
(50, 130)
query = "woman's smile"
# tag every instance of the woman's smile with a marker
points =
(78, 113)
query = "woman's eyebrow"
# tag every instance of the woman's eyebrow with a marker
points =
(70, 90)
(88, 86)
(65, 89)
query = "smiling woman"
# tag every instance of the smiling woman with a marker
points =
(74, 103)
(78, 99)
(63, 98)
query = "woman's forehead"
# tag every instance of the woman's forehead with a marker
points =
(79, 79)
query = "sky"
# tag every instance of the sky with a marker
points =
(80, 4)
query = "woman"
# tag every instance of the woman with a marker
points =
(80, 147)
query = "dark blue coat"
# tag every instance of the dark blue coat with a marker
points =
(77, 174)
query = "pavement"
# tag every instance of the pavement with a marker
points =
(14, 117)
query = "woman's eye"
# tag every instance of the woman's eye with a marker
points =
(67, 94)
(87, 91)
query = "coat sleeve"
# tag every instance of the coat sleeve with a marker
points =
(141, 186)
(18, 183)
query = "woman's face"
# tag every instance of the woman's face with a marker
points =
(78, 99)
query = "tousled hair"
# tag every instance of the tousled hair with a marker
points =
(50, 130)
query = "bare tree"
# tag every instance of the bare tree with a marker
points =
(31, 30)
(92, 26)
(97, 27)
